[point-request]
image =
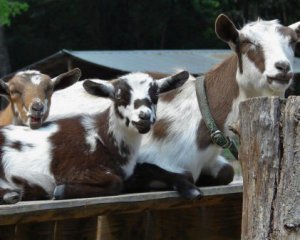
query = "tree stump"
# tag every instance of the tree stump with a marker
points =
(270, 158)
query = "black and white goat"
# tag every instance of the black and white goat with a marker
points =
(83, 156)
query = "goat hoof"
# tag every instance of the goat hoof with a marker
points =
(12, 197)
(59, 192)
(192, 194)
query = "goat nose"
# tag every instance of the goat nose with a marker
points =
(144, 115)
(283, 66)
(37, 107)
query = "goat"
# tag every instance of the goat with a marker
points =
(179, 150)
(29, 94)
(83, 156)
(179, 143)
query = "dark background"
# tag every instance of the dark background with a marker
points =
(50, 25)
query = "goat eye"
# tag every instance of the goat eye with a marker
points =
(15, 93)
(247, 42)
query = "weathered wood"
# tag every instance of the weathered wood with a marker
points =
(39, 211)
(270, 160)
(36, 231)
(79, 229)
(7, 232)
(220, 221)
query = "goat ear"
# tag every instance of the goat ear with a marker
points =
(296, 28)
(100, 88)
(172, 82)
(4, 90)
(226, 30)
(66, 79)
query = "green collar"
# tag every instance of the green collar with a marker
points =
(216, 135)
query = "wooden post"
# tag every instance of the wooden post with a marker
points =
(270, 159)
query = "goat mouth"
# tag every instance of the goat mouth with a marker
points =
(35, 121)
(142, 126)
(282, 79)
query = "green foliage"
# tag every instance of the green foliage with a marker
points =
(50, 25)
(9, 9)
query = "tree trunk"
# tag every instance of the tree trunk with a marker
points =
(270, 158)
(4, 59)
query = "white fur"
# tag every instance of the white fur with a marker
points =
(74, 100)
(36, 79)
(28, 72)
(91, 134)
(32, 162)
(125, 134)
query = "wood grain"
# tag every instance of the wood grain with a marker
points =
(270, 160)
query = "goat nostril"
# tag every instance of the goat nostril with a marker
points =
(37, 107)
(144, 116)
(283, 66)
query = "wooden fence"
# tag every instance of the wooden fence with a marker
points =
(156, 215)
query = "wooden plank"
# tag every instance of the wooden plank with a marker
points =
(220, 221)
(38, 211)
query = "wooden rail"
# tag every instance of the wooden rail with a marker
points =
(154, 215)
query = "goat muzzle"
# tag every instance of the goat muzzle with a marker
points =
(143, 126)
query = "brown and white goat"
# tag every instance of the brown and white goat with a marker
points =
(29, 95)
(262, 65)
(83, 156)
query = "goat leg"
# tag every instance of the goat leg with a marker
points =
(146, 174)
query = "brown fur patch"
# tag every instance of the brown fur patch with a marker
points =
(257, 57)
(160, 129)
(74, 163)
(221, 90)
(254, 53)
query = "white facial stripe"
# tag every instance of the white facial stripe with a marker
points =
(36, 79)
(28, 72)
(46, 102)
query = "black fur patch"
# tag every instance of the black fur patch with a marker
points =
(124, 90)
(142, 102)
(153, 92)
